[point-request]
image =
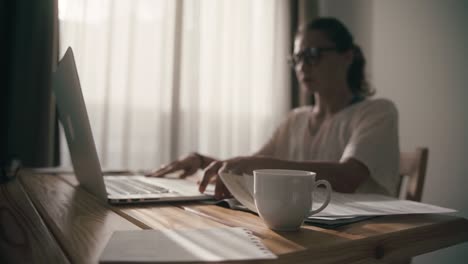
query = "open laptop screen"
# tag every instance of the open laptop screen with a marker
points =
(75, 121)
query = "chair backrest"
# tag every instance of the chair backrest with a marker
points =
(413, 167)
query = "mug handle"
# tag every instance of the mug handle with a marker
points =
(327, 199)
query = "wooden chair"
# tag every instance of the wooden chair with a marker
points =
(413, 167)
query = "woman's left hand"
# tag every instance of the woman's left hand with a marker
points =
(238, 165)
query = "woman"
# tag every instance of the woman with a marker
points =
(346, 138)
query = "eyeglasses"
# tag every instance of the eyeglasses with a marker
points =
(309, 56)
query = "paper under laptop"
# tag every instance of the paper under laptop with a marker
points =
(115, 189)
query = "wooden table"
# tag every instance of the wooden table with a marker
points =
(48, 219)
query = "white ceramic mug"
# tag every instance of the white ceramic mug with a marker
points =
(283, 198)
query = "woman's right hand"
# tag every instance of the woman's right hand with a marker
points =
(188, 165)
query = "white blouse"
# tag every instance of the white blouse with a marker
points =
(366, 131)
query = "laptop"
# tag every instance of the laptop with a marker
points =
(116, 189)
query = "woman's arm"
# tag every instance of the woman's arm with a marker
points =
(344, 176)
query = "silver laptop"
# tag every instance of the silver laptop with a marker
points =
(116, 189)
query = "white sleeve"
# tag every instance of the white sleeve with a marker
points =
(374, 142)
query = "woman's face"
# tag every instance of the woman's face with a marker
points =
(319, 66)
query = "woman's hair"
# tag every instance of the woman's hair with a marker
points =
(340, 35)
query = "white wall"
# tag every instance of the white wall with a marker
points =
(356, 15)
(419, 58)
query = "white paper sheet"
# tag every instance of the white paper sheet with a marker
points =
(345, 204)
(188, 245)
(241, 187)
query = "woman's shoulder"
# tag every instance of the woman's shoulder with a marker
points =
(298, 114)
(301, 110)
(294, 118)
(378, 105)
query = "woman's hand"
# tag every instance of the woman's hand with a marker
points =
(189, 165)
(237, 166)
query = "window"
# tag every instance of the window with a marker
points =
(162, 78)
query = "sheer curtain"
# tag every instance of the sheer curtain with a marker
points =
(162, 78)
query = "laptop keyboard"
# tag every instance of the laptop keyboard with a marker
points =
(133, 186)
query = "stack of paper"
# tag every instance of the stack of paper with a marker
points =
(187, 245)
(343, 208)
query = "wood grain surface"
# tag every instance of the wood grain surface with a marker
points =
(80, 222)
(24, 238)
(390, 239)
(81, 225)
